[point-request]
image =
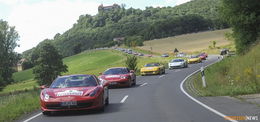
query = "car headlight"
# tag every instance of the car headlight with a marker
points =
(124, 77)
(46, 97)
(93, 93)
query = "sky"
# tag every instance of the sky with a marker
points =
(36, 20)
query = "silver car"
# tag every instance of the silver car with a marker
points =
(178, 63)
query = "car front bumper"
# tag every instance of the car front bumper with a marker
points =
(150, 72)
(82, 104)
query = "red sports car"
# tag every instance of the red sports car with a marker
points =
(119, 76)
(74, 92)
(203, 56)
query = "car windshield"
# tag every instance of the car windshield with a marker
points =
(151, 65)
(194, 56)
(177, 60)
(74, 81)
(115, 71)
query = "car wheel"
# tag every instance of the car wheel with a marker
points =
(129, 83)
(47, 113)
(134, 82)
(107, 101)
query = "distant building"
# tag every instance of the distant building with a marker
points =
(119, 39)
(107, 8)
(19, 65)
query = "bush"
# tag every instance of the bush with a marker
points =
(131, 62)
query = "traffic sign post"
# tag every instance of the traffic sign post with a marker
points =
(203, 77)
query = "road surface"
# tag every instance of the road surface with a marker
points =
(156, 98)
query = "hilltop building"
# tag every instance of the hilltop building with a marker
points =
(102, 8)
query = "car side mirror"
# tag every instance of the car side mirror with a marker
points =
(43, 87)
(132, 71)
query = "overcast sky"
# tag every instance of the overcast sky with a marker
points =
(36, 20)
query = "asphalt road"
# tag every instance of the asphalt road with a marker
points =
(156, 98)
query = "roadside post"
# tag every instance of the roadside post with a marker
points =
(203, 76)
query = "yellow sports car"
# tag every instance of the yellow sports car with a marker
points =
(194, 59)
(152, 68)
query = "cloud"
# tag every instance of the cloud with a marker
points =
(38, 21)
(177, 2)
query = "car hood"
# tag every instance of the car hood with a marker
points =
(74, 91)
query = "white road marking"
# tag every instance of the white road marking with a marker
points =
(202, 104)
(161, 76)
(143, 84)
(27, 120)
(124, 99)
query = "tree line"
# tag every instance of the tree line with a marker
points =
(136, 26)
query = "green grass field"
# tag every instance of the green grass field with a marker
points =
(233, 76)
(91, 62)
(188, 42)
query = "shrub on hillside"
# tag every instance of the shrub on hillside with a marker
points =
(131, 62)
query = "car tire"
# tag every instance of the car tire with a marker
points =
(46, 113)
(129, 84)
(134, 82)
(107, 101)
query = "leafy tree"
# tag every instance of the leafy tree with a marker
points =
(8, 39)
(243, 16)
(49, 65)
(131, 62)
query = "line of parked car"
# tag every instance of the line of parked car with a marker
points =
(129, 51)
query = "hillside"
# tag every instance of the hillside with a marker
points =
(187, 42)
(136, 26)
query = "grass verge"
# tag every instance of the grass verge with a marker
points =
(233, 76)
(13, 106)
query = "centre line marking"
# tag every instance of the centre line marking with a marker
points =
(143, 84)
(32, 117)
(124, 99)
(161, 76)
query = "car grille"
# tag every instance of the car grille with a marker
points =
(79, 105)
(175, 66)
(150, 72)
